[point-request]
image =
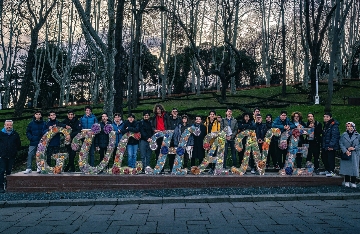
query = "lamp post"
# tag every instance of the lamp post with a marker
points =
(317, 98)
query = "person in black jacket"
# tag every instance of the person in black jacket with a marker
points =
(198, 149)
(144, 144)
(174, 121)
(296, 119)
(54, 144)
(260, 130)
(315, 144)
(273, 143)
(102, 139)
(34, 131)
(330, 143)
(71, 122)
(133, 144)
(244, 124)
(9, 145)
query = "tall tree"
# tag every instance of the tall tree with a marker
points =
(35, 19)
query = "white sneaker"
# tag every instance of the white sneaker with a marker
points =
(253, 171)
(323, 173)
(38, 170)
(27, 171)
(330, 174)
(353, 185)
(347, 184)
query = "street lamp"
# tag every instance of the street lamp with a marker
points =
(317, 98)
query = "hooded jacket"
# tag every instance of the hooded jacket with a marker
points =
(331, 135)
(35, 130)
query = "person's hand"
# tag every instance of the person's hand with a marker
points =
(68, 138)
(348, 153)
(330, 149)
(149, 140)
(351, 148)
(286, 127)
(68, 127)
(97, 148)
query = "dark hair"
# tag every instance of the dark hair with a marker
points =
(328, 113)
(131, 116)
(256, 108)
(294, 113)
(213, 111)
(184, 116)
(159, 106)
(228, 108)
(198, 116)
(146, 112)
(117, 114)
(87, 107)
(269, 115)
(70, 112)
(37, 111)
(310, 113)
(52, 112)
(283, 112)
(104, 113)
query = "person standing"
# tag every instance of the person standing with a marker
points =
(9, 144)
(86, 122)
(117, 125)
(273, 143)
(177, 137)
(102, 139)
(245, 124)
(71, 122)
(174, 121)
(159, 123)
(230, 122)
(133, 144)
(34, 131)
(198, 149)
(330, 143)
(54, 144)
(260, 130)
(212, 124)
(144, 143)
(314, 144)
(349, 145)
(283, 123)
(296, 119)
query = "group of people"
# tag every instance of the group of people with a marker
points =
(326, 140)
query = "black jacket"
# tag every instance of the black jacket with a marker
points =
(317, 132)
(166, 122)
(9, 145)
(145, 129)
(331, 135)
(74, 124)
(131, 127)
(55, 141)
(35, 130)
(260, 130)
(173, 123)
(102, 139)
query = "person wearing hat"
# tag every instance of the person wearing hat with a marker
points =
(330, 143)
(34, 132)
(174, 121)
(349, 145)
(131, 125)
(177, 136)
(144, 143)
(314, 144)
(71, 122)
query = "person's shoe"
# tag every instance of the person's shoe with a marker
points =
(323, 172)
(347, 184)
(330, 174)
(27, 171)
(353, 185)
(211, 171)
(38, 170)
(277, 167)
(316, 171)
(253, 171)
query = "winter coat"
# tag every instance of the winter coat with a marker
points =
(166, 122)
(350, 167)
(55, 141)
(233, 126)
(198, 149)
(174, 122)
(74, 124)
(242, 126)
(177, 135)
(260, 130)
(88, 121)
(9, 144)
(145, 129)
(35, 130)
(331, 135)
(280, 124)
(215, 125)
(102, 139)
(131, 127)
(317, 132)
(119, 135)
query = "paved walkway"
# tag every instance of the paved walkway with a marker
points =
(298, 216)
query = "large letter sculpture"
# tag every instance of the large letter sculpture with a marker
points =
(164, 150)
(252, 145)
(88, 136)
(41, 152)
(294, 149)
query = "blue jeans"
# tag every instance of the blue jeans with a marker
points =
(132, 150)
(145, 153)
(233, 152)
(31, 154)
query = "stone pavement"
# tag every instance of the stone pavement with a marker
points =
(293, 216)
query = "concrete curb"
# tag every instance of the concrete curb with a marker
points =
(185, 199)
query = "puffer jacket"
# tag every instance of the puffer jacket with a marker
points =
(74, 124)
(280, 124)
(215, 125)
(9, 144)
(35, 130)
(88, 121)
(118, 127)
(145, 129)
(331, 135)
